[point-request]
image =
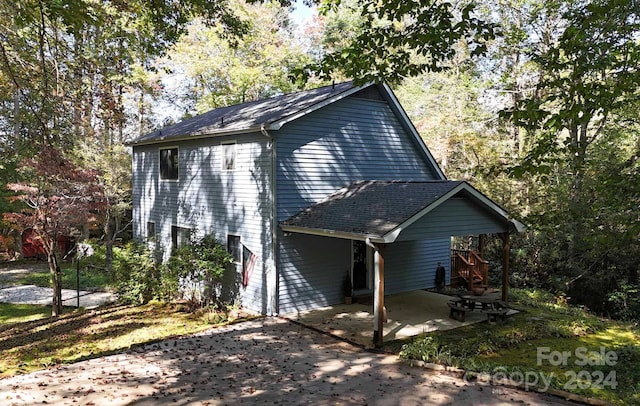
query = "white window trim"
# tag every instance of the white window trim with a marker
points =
(235, 156)
(160, 164)
(239, 262)
(155, 230)
(173, 247)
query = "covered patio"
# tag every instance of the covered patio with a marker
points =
(384, 214)
(409, 314)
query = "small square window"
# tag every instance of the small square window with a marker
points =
(234, 247)
(228, 157)
(151, 230)
(169, 163)
(180, 236)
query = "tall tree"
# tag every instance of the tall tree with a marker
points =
(391, 34)
(207, 71)
(57, 200)
(587, 73)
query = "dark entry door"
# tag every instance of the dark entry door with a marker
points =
(360, 271)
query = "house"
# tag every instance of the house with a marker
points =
(308, 189)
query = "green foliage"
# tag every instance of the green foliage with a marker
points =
(137, 273)
(545, 320)
(213, 73)
(195, 271)
(198, 269)
(396, 39)
(91, 278)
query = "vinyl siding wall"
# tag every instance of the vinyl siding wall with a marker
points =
(352, 139)
(457, 216)
(207, 200)
(411, 265)
(313, 272)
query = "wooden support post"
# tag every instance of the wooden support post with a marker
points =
(481, 243)
(506, 249)
(378, 296)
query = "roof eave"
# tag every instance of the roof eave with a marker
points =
(195, 136)
(412, 129)
(392, 235)
(331, 233)
(276, 125)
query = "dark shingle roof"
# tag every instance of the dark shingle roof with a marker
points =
(371, 207)
(246, 116)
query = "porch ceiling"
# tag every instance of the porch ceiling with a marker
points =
(383, 210)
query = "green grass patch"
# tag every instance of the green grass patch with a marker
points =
(565, 344)
(82, 334)
(14, 313)
(90, 278)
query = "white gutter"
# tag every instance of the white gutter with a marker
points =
(195, 136)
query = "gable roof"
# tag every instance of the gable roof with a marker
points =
(248, 117)
(381, 210)
(273, 113)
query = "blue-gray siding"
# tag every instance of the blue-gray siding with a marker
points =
(352, 139)
(312, 270)
(457, 216)
(411, 265)
(207, 200)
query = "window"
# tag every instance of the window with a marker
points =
(169, 163)
(179, 236)
(228, 157)
(151, 230)
(234, 247)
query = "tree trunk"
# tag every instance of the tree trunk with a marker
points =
(109, 236)
(56, 280)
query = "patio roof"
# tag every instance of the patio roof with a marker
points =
(382, 210)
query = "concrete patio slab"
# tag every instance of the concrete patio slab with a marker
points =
(408, 314)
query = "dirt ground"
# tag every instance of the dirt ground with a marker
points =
(265, 361)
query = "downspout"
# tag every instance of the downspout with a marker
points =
(378, 294)
(275, 304)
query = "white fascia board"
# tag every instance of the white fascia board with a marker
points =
(195, 136)
(330, 233)
(412, 129)
(276, 125)
(393, 234)
(493, 206)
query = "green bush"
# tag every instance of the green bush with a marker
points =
(137, 273)
(197, 271)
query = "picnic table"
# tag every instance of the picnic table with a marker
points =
(494, 309)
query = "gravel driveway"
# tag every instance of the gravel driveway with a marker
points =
(265, 361)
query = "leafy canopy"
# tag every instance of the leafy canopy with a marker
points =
(399, 38)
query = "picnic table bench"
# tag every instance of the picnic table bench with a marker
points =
(496, 310)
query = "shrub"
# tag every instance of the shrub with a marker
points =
(197, 270)
(137, 273)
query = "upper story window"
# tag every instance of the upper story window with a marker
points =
(229, 157)
(169, 163)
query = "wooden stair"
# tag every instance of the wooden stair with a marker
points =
(469, 269)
